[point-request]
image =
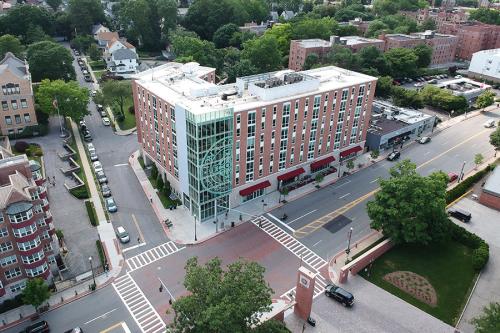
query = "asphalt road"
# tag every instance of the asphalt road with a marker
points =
(447, 151)
(94, 314)
(134, 210)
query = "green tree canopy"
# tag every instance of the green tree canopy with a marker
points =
(343, 57)
(424, 55)
(486, 99)
(384, 87)
(116, 92)
(403, 62)
(221, 300)
(371, 57)
(376, 27)
(386, 7)
(311, 60)
(428, 24)
(283, 35)
(9, 43)
(85, 13)
(234, 66)
(49, 60)
(263, 53)
(71, 98)
(410, 208)
(94, 52)
(406, 97)
(486, 15)
(443, 99)
(18, 20)
(223, 35)
(196, 49)
(82, 42)
(495, 138)
(36, 292)
(489, 320)
(314, 28)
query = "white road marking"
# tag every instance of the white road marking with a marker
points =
(427, 153)
(152, 255)
(280, 222)
(121, 164)
(132, 247)
(347, 182)
(373, 181)
(345, 195)
(101, 316)
(298, 218)
(317, 242)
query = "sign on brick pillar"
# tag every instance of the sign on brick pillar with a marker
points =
(304, 292)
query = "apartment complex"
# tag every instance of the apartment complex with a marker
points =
(222, 145)
(300, 49)
(26, 228)
(443, 46)
(486, 65)
(472, 37)
(18, 107)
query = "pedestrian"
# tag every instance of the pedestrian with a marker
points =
(161, 288)
(139, 240)
(170, 301)
(151, 199)
(260, 223)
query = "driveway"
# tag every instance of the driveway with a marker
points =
(485, 223)
(375, 310)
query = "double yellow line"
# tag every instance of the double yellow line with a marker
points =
(320, 222)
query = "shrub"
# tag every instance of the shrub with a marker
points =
(159, 184)
(91, 213)
(464, 186)
(80, 192)
(131, 109)
(166, 188)
(12, 303)
(100, 252)
(480, 256)
(119, 117)
(59, 233)
(21, 146)
(154, 171)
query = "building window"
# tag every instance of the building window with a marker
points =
(25, 246)
(254, 195)
(4, 232)
(18, 119)
(32, 272)
(10, 274)
(24, 103)
(11, 89)
(21, 232)
(14, 104)
(8, 120)
(18, 286)
(5, 105)
(21, 217)
(9, 260)
(33, 257)
(4, 247)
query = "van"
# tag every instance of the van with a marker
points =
(460, 214)
(40, 327)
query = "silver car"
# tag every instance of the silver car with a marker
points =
(111, 205)
(101, 177)
(122, 234)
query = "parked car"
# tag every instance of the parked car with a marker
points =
(460, 214)
(39, 327)
(87, 137)
(77, 53)
(90, 147)
(458, 76)
(489, 123)
(97, 166)
(418, 84)
(339, 294)
(99, 107)
(103, 113)
(105, 190)
(75, 330)
(122, 234)
(93, 93)
(101, 177)
(111, 205)
(85, 72)
(88, 78)
(452, 177)
(393, 156)
(424, 140)
(433, 81)
(105, 121)
(93, 156)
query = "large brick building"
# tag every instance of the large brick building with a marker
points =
(472, 37)
(16, 96)
(443, 46)
(26, 228)
(222, 145)
(300, 49)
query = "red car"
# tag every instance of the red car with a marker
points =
(452, 177)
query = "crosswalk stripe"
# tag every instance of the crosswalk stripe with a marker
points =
(152, 255)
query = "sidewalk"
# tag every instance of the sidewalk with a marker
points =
(111, 116)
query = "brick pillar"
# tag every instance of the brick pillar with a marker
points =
(304, 292)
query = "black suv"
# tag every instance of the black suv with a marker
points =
(40, 327)
(339, 294)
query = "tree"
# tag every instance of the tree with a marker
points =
(371, 57)
(489, 321)
(223, 35)
(85, 13)
(486, 15)
(424, 55)
(486, 99)
(384, 87)
(343, 57)
(82, 42)
(136, 17)
(36, 34)
(478, 159)
(116, 92)
(36, 292)
(406, 97)
(49, 60)
(410, 208)
(428, 24)
(72, 99)
(9, 43)
(314, 28)
(221, 300)
(375, 154)
(20, 18)
(263, 53)
(350, 165)
(199, 50)
(166, 16)
(54, 4)
(283, 35)
(311, 60)
(495, 139)
(403, 62)
(94, 52)
(160, 184)
(443, 99)
(376, 28)
(319, 178)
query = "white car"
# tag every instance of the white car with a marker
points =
(418, 84)
(490, 123)
(93, 93)
(122, 234)
(105, 121)
(458, 76)
(97, 166)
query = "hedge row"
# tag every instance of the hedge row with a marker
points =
(80, 192)
(466, 184)
(91, 213)
(481, 249)
(100, 251)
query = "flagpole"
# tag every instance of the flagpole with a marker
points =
(56, 106)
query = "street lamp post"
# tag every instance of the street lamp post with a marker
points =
(195, 237)
(461, 175)
(348, 250)
(92, 269)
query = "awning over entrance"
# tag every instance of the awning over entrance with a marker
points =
(249, 190)
(350, 151)
(291, 174)
(320, 163)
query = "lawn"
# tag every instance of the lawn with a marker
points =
(98, 74)
(129, 121)
(448, 268)
(97, 65)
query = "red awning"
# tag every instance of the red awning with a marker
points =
(350, 151)
(320, 163)
(291, 174)
(256, 187)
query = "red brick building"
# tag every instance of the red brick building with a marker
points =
(26, 228)
(490, 196)
(472, 37)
